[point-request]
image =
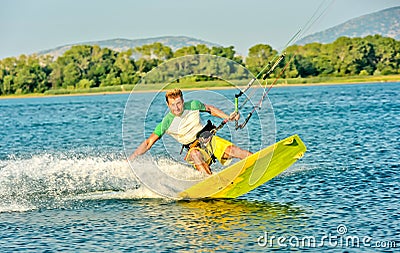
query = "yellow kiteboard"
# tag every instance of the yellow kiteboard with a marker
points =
(249, 173)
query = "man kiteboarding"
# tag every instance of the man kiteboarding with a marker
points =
(183, 123)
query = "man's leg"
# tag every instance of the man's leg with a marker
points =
(199, 163)
(236, 152)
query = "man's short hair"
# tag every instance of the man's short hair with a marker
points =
(175, 93)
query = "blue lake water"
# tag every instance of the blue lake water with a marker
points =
(65, 184)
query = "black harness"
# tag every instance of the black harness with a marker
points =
(204, 135)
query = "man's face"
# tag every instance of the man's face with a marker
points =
(175, 105)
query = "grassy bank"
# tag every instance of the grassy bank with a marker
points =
(212, 85)
(340, 80)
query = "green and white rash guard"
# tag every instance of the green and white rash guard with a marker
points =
(185, 127)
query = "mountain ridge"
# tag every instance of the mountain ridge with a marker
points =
(385, 22)
(122, 44)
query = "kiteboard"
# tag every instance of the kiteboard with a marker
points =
(249, 173)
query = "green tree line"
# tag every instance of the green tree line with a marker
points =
(87, 66)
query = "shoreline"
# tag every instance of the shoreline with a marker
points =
(100, 93)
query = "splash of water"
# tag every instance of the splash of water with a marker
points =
(51, 181)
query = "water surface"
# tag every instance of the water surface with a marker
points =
(65, 184)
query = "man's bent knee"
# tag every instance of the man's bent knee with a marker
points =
(196, 158)
(236, 152)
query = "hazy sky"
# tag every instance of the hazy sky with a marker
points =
(28, 26)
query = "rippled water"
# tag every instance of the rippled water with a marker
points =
(65, 186)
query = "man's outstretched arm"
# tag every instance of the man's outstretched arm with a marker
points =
(145, 146)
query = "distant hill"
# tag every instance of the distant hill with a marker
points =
(174, 42)
(385, 23)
